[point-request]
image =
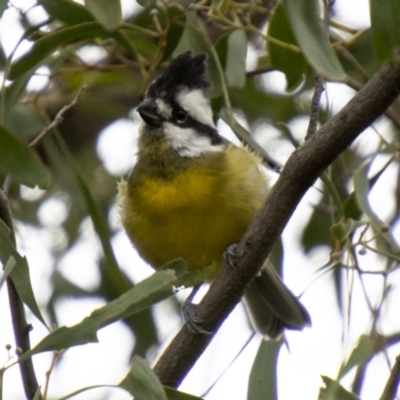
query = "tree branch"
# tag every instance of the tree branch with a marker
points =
(20, 325)
(390, 391)
(301, 171)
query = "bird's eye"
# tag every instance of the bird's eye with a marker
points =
(180, 115)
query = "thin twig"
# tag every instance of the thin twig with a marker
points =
(58, 119)
(390, 391)
(314, 109)
(20, 325)
(319, 82)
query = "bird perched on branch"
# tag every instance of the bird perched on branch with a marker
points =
(192, 193)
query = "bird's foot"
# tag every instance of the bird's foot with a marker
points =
(190, 316)
(230, 255)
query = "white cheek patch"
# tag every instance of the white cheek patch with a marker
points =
(197, 105)
(163, 108)
(187, 142)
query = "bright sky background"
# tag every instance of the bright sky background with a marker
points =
(315, 351)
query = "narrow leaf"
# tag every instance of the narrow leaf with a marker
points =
(13, 92)
(359, 355)
(263, 375)
(67, 11)
(46, 45)
(292, 64)
(20, 162)
(385, 23)
(157, 287)
(334, 391)
(305, 20)
(107, 13)
(174, 394)
(235, 67)
(3, 6)
(362, 187)
(10, 264)
(142, 382)
(19, 273)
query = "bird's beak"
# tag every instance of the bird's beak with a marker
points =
(149, 113)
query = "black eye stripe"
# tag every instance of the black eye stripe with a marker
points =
(189, 122)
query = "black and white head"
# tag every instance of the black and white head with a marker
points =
(177, 103)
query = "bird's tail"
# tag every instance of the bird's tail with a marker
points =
(272, 307)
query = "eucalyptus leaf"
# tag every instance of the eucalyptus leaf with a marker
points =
(46, 45)
(157, 287)
(20, 162)
(362, 187)
(149, 291)
(385, 23)
(305, 20)
(291, 63)
(360, 354)
(174, 394)
(232, 51)
(19, 274)
(334, 391)
(107, 13)
(142, 382)
(67, 11)
(263, 380)
(3, 6)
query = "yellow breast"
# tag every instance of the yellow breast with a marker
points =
(197, 214)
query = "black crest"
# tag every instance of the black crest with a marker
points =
(185, 70)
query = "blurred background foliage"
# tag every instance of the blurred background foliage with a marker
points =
(116, 55)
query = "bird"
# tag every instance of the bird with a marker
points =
(192, 193)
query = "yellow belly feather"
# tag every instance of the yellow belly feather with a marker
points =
(196, 215)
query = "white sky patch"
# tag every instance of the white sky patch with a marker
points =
(117, 145)
(197, 105)
(91, 54)
(53, 212)
(187, 142)
(31, 194)
(39, 80)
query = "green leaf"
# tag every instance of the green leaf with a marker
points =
(46, 45)
(316, 232)
(107, 13)
(20, 162)
(174, 394)
(334, 391)
(67, 11)
(344, 227)
(362, 187)
(263, 375)
(351, 208)
(305, 20)
(142, 382)
(232, 51)
(3, 6)
(176, 23)
(360, 354)
(292, 64)
(19, 273)
(157, 287)
(9, 266)
(385, 23)
(361, 51)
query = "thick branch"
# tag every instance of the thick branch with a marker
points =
(302, 169)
